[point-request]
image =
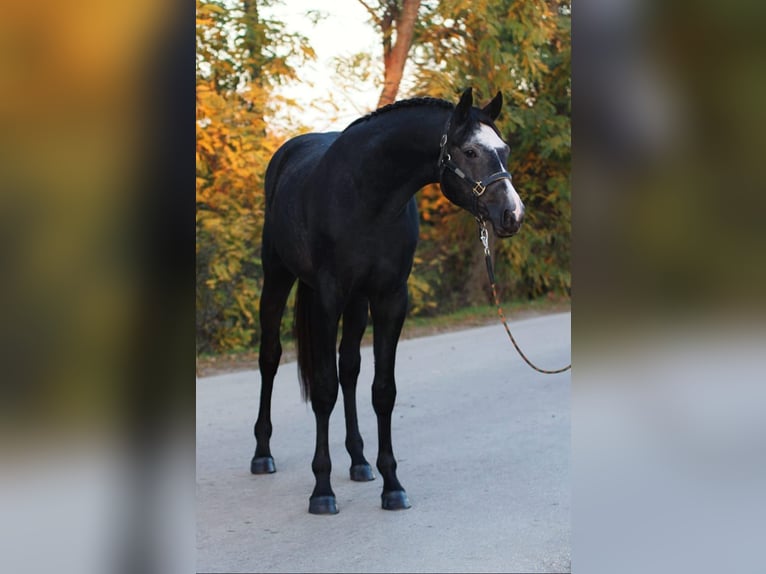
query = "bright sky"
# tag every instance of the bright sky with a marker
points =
(345, 30)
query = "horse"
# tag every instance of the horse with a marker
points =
(341, 219)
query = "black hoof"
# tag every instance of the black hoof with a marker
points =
(395, 500)
(262, 465)
(322, 505)
(361, 473)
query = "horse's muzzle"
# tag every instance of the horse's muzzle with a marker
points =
(509, 225)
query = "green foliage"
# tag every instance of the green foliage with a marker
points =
(521, 48)
(421, 287)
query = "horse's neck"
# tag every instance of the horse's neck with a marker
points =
(400, 156)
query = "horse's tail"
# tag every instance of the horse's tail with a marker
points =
(302, 334)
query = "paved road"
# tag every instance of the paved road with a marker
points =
(482, 443)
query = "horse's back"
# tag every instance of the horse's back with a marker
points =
(293, 163)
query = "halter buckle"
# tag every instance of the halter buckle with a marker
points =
(479, 188)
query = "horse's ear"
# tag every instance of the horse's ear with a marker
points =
(463, 106)
(492, 109)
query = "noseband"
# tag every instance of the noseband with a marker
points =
(478, 187)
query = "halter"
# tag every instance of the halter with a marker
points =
(479, 187)
(445, 161)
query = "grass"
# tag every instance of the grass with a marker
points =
(208, 365)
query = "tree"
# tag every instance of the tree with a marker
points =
(240, 56)
(396, 21)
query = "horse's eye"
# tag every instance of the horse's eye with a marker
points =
(470, 154)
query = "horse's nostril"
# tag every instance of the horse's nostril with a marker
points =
(508, 218)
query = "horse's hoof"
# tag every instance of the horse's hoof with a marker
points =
(395, 500)
(361, 473)
(322, 505)
(262, 465)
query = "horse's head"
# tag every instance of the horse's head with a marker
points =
(472, 161)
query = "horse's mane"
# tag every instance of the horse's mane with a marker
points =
(412, 102)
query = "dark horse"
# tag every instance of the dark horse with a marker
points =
(341, 218)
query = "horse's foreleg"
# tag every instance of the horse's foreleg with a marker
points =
(354, 324)
(276, 288)
(388, 314)
(324, 393)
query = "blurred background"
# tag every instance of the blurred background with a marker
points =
(96, 336)
(666, 270)
(669, 437)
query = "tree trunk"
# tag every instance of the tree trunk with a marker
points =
(395, 55)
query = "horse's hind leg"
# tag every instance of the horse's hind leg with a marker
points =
(277, 283)
(354, 324)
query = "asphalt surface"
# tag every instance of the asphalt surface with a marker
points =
(482, 443)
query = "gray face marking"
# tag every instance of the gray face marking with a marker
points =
(486, 138)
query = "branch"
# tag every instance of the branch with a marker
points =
(372, 12)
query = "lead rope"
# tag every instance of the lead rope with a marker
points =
(484, 236)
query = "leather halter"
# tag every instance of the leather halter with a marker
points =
(445, 161)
